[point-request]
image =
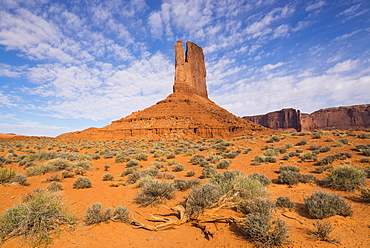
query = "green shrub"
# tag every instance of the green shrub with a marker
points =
(86, 165)
(20, 179)
(155, 192)
(289, 177)
(223, 164)
(325, 149)
(96, 215)
(364, 136)
(323, 204)
(365, 194)
(108, 177)
(284, 168)
(197, 159)
(190, 173)
(364, 160)
(284, 202)
(263, 179)
(141, 157)
(316, 136)
(322, 230)
(129, 171)
(273, 139)
(82, 183)
(327, 160)
(259, 159)
(346, 178)
(132, 163)
(301, 142)
(309, 156)
(6, 175)
(247, 186)
(183, 185)
(200, 198)
(54, 186)
(209, 172)
(67, 174)
(35, 219)
(262, 229)
(178, 167)
(121, 214)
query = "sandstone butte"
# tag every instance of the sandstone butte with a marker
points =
(355, 117)
(187, 112)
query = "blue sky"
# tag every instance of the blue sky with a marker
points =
(71, 65)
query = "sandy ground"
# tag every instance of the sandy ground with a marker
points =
(351, 231)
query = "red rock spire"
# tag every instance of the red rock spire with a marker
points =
(190, 75)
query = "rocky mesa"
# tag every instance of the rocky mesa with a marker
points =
(187, 112)
(355, 117)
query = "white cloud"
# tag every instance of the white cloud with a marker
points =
(5, 101)
(343, 66)
(33, 129)
(315, 6)
(271, 67)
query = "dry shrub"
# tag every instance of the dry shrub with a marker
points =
(154, 192)
(39, 215)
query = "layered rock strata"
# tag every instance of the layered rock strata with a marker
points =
(186, 113)
(355, 117)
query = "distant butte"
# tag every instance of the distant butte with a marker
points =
(187, 112)
(355, 117)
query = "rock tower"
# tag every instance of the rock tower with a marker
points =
(190, 72)
(187, 112)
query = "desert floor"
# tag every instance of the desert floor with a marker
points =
(353, 231)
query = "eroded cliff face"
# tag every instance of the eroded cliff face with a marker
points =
(346, 118)
(355, 117)
(279, 120)
(186, 113)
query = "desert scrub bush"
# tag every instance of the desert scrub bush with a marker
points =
(322, 204)
(288, 168)
(82, 183)
(289, 177)
(364, 136)
(259, 159)
(302, 142)
(200, 198)
(323, 230)
(133, 177)
(121, 214)
(36, 218)
(209, 171)
(141, 157)
(121, 158)
(197, 159)
(67, 174)
(56, 164)
(96, 215)
(129, 171)
(327, 160)
(154, 192)
(273, 139)
(346, 178)
(271, 152)
(108, 177)
(132, 163)
(325, 149)
(284, 202)
(223, 164)
(6, 175)
(54, 186)
(248, 187)
(86, 165)
(365, 194)
(263, 179)
(329, 139)
(316, 136)
(178, 167)
(190, 173)
(20, 179)
(364, 160)
(261, 228)
(309, 156)
(80, 171)
(183, 185)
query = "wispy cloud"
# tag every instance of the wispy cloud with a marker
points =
(315, 5)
